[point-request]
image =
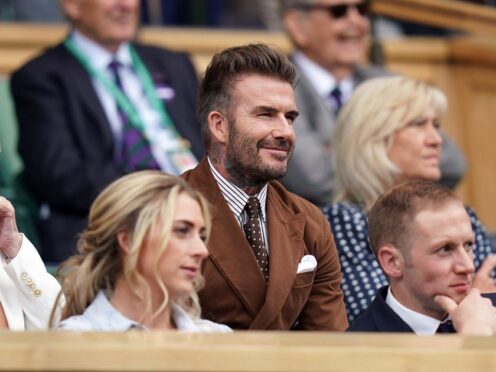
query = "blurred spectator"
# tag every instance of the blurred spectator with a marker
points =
(211, 13)
(330, 39)
(44, 11)
(97, 107)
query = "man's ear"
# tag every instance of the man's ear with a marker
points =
(71, 9)
(123, 240)
(219, 126)
(295, 24)
(391, 261)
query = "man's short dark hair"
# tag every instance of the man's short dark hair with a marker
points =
(228, 66)
(392, 214)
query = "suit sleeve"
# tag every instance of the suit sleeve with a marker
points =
(37, 289)
(57, 168)
(310, 172)
(325, 308)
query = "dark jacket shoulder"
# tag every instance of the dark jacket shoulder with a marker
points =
(379, 317)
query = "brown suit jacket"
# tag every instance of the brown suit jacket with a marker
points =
(236, 293)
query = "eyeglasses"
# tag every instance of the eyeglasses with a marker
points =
(339, 10)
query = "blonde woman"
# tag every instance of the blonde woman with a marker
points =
(138, 262)
(388, 133)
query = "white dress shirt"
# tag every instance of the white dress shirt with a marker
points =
(236, 200)
(420, 323)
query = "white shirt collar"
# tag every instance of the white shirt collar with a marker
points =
(235, 197)
(321, 79)
(420, 323)
(98, 56)
(105, 316)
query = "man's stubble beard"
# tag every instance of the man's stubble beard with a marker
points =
(243, 163)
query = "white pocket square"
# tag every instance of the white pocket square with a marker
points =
(308, 263)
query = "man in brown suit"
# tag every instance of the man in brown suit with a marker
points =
(273, 263)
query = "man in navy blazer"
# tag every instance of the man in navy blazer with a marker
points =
(421, 235)
(70, 129)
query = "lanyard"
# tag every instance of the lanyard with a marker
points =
(121, 99)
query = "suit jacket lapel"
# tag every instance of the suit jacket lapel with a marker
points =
(313, 107)
(87, 96)
(385, 319)
(286, 247)
(229, 250)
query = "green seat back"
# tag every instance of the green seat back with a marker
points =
(11, 184)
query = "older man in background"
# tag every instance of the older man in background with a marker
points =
(331, 39)
(97, 107)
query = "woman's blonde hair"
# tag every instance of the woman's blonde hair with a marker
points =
(364, 134)
(134, 204)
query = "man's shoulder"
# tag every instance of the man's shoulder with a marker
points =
(202, 180)
(51, 58)
(366, 322)
(153, 51)
(292, 201)
(365, 72)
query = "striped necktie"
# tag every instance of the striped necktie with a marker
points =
(134, 153)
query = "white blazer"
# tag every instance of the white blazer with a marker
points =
(27, 290)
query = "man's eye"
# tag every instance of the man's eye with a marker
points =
(444, 250)
(265, 114)
(469, 246)
(291, 118)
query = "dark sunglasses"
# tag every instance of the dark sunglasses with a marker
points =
(340, 10)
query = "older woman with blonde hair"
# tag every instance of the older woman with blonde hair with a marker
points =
(138, 262)
(387, 133)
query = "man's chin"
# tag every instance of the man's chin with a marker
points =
(458, 294)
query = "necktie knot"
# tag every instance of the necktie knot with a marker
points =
(114, 65)
(253, 207)
(446, 327)
(336, 97)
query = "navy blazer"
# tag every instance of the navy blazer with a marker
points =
(379, 317)
(66, 141)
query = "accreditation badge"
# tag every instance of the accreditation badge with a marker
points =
(182, 159)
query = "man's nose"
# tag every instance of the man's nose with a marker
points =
(464, 262)
(284, 129)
